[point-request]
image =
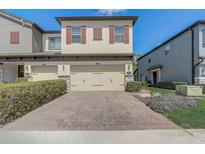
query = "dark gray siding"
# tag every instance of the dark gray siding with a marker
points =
(176, 66)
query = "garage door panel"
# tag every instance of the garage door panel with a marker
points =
(99, 80)
(97, 69)
(84, 79)
(113, 78)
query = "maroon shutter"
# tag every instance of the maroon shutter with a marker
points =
(83, 35)
(14, 37)
(111, 34)
(97, 34)
(68, 35)
(126, 34)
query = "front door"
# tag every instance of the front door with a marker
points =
(20, 71)
(154, 78)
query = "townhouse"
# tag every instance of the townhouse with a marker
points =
(179, 59)
(92, 53)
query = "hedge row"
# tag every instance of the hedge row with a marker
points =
(170, 85)
(134, 86)
(18, 80)
(19, 98)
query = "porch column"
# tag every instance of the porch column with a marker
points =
(27, 72)
(159, 75)
(151, 77)
(64, 74)
(128, 73)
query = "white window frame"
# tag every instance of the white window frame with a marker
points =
(202, 69)
(76, 34)
(119, 34)
(167, 50)
(49, 43)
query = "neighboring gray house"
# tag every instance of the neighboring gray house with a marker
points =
(178, 59)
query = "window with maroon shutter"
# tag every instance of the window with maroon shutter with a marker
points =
(76, 34)
(83, 34)
(97, 34)
(126, 34)
(111, 34)
(119, 34)
(14, 37)
(68, 35)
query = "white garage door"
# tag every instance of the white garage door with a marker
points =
(97, 78)
(40, 73)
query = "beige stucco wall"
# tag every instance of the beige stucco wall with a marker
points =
(63, 70)
(44, 73)
(7, 26)
(95, 47)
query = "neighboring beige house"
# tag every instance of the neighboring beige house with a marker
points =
(90, 53)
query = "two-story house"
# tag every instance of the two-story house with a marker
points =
(180, 58)
(92, 53)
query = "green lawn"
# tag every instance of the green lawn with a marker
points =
(159, 90)
(190, 118)
(187, 118)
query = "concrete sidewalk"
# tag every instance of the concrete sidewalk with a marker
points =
(110, 137)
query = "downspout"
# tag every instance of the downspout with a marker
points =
(192, 55)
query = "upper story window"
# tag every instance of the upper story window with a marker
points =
(149, 60)
(119, 34)
(76, 34)
(203, 38)
(202, 71)
(54, 43)
(167, 50)
(97, 34)
(14, 37)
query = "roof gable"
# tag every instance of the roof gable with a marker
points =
(19, 20)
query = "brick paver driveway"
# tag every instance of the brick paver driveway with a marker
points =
(92, 111)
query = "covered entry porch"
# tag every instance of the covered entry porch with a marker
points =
(155, 74)
(82, 73)
(10, 71)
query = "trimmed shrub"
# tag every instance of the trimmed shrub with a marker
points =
(170, 85)
(19, 98)
(134, 86)
(18, 80)
(164, 103)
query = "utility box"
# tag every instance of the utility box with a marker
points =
(189, 90)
